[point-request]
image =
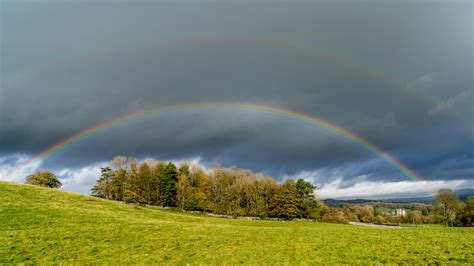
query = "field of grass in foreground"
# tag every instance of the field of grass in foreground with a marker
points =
(46, 225)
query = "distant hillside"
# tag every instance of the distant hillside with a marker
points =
(462, 193)
(465, 193)
(336, 202)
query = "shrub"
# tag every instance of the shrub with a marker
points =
(44, 179)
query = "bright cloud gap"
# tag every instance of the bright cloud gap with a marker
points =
(381, 189)
(330, 183)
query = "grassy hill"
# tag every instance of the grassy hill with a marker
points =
(46, 225)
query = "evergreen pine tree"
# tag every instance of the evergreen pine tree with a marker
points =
(168, 186)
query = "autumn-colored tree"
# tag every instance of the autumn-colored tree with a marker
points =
(334, 215)
(145, 182)
(268, 188)
(44, 179)
(134, 192)
(157, 169)
(366, 214)
(119, 183)
(239, 192)
(286, 203)
(201, 182)
(415, 217)
(448, 202)
(185, 189)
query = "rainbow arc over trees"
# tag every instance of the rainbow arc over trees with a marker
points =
(254, 106)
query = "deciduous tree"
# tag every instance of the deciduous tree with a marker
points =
(448, 202)
(286, 203)
(44, 179)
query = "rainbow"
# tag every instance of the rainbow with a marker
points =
(253, 106)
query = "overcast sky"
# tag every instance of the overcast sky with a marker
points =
(398, 73)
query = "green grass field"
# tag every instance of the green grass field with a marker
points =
(46, 225)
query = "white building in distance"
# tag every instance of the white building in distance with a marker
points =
(400, 212)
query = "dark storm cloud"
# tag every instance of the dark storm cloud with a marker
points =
(67, 66)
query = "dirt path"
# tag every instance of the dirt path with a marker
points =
(378, 225)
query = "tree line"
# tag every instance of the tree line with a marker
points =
(446, 209)
(238, 192)
(227, 191)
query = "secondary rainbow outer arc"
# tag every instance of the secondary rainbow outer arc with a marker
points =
(321, 122)
(311, 51)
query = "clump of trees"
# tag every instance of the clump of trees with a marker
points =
(452, 210)
(446, 209)
(44, 179)
(227, 191)
(239, 192)
(151, 182)
(466, 215)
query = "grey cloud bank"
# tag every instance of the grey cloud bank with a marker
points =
(67, 66)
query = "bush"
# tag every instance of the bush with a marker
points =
(379, 219)
(44, 179)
